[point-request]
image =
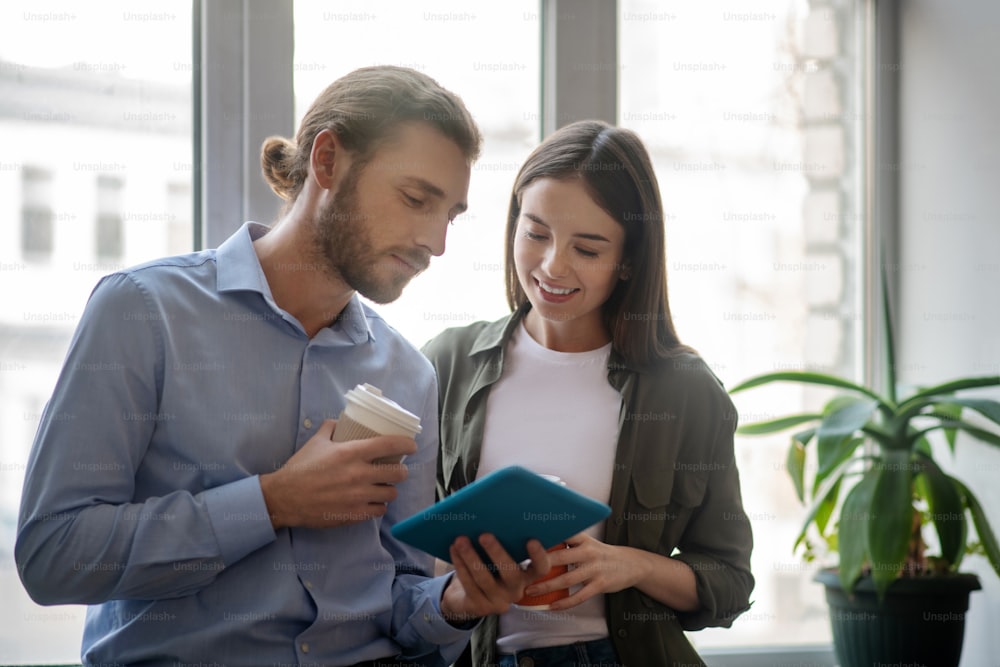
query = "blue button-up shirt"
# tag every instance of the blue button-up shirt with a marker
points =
(184, 382)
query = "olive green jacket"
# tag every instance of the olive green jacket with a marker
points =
(675, 485)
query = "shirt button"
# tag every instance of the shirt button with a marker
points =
(308, 423)
(619, 520)
(305, 647)
(309, 585)
(622, 633)
(525, 662)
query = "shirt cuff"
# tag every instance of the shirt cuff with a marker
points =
(436, 629)
(239, 518)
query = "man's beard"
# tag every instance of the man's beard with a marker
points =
(344, 246)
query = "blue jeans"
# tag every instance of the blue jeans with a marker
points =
(596, 653)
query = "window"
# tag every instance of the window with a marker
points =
(36, 214)
(109, 218)
(94, 119)
(752, 114)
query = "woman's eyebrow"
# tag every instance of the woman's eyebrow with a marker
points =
(590, 237)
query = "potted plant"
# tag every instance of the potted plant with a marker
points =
(873, 490)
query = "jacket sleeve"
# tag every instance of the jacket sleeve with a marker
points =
(717, 541)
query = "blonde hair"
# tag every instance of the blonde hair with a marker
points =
(362, 109)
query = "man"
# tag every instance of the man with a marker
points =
(190, 491)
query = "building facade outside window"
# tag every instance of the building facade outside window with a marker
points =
(95, 122)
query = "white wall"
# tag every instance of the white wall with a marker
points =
(949, 321)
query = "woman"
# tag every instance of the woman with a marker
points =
(586, 379)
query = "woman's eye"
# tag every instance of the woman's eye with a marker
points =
(533, 236)
(586, 253)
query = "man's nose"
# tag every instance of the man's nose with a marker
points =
(432, 234)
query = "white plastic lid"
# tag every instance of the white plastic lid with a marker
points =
(370, 398)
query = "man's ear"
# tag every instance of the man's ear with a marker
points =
(327, 152)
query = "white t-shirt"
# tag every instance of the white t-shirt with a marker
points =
(556, 414)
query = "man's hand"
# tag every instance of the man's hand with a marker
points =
(475, 591)
(328, 483)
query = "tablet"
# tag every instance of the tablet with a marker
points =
(512, 503)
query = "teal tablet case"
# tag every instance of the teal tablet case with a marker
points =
(512, 503)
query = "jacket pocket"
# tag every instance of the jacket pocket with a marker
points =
(664, 503)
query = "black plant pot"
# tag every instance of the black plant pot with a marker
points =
(920, 622)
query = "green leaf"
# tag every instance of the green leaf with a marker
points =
(830, 486)
(983, 530)
(826, 506)
(889, 531)
(795, 461)
(804, 436)
(880, 435)
(980, 434)
(853, 540)
(984, 406)
(890, 338)
(804, 377)
(844, 452)
(949, 388)
(776, 425)
(946, 510)
(948, 412)
(923, 446)
(838, 426)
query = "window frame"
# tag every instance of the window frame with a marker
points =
(243, 52)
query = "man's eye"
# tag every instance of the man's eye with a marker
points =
(413, 201)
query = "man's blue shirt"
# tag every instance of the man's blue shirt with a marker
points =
(183, 383)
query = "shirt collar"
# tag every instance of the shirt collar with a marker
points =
(353, 321)
(238, 265)
(239, 269)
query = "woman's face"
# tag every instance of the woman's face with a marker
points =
(567, 253)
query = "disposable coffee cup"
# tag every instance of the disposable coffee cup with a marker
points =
(544, 601)
(368, 414)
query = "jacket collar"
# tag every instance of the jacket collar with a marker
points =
(496, 334)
